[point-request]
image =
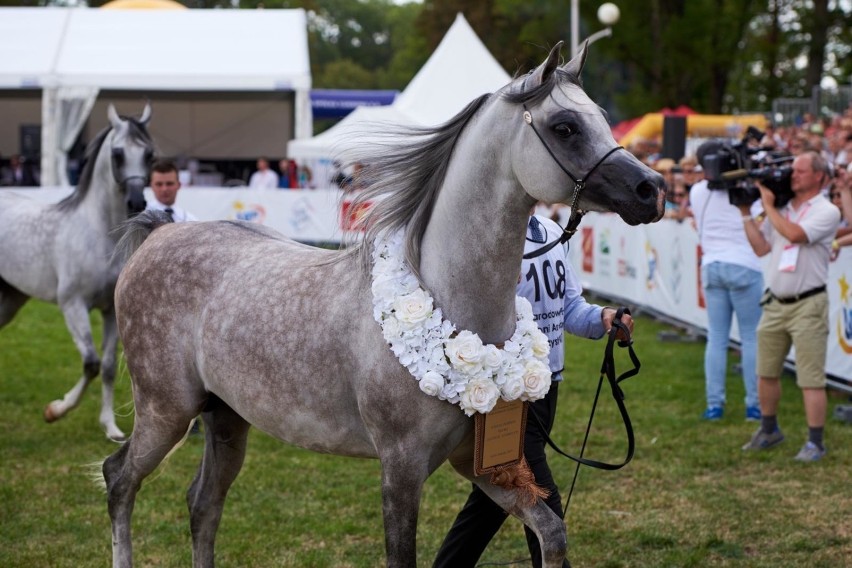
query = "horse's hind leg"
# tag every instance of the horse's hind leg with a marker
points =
(110, 345)
(160, 424)
(11, 300)
(77, 320)
(226, 434)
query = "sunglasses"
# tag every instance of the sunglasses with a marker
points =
(834, 195)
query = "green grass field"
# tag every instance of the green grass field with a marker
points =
(690, 497)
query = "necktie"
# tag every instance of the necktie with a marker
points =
(536, 232)
(170, 211)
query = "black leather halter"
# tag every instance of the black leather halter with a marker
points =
(579, 184)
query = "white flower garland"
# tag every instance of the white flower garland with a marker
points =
(456, 367)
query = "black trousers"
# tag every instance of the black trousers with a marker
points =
(481, 518)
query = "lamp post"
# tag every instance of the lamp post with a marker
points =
(608, 15)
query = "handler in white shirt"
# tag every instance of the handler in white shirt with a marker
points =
(165, 185)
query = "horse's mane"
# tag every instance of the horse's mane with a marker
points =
(403, 180)
(136, 131)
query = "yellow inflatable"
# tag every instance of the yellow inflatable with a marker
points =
(697, 126)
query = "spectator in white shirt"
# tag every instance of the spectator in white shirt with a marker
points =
(263, 178)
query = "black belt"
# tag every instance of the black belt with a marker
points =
(797, 297)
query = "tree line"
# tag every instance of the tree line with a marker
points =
(717, 56)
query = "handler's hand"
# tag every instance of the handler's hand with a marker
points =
(608, 314)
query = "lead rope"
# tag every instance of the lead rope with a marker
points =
(608, 370)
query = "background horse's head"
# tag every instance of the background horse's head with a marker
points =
(553, 113)
(116, 168)
(131, 153)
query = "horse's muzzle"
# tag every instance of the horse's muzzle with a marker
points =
(636, 192)
(135, 200)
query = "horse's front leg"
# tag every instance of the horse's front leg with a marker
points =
(109, 349)
(77, 320)
(538, 516)
(402, 484)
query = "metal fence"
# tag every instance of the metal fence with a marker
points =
(822, 102)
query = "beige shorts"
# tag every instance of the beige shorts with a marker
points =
(804, 325)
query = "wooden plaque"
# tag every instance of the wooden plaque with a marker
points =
(499, 436)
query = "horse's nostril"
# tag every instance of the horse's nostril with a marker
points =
(647, 191)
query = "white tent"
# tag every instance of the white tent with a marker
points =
(73, 53)
(460, 69)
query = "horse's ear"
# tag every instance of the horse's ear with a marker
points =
(146, 114)
(112, 114)
(543, 71)
(575, 66)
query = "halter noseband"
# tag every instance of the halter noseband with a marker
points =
(579, 184)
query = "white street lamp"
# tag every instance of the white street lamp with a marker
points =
(608, 15)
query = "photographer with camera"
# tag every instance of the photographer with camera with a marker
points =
(798, 237)
(732, 281)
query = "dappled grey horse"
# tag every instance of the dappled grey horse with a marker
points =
(236, 322)
(62, 252)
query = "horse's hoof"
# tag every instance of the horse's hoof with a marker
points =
(118, 438)
(49, 415)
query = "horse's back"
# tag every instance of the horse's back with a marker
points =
(282, 332)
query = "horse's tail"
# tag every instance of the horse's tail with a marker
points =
(135, 230)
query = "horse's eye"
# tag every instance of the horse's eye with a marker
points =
(564, 130)
(117, 155)
(149, 156)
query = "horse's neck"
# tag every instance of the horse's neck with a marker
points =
(471, 252)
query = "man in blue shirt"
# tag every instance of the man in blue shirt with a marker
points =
(549, 283)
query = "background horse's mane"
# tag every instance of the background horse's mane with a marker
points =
(403, 180)
(136, 131)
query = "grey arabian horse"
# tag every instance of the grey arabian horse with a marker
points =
(236, 322)
(62, 252)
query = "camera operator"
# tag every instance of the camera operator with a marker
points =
(798, 238)
(732, 281)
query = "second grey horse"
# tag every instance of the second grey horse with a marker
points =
(63, 252)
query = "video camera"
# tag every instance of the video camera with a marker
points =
(734, 167)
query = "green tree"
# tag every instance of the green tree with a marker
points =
(356, 44)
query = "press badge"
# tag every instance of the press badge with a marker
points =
(789, 258)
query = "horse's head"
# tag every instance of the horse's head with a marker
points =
(132, 151)
(564, 143)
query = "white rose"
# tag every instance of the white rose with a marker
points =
(431, 383)
(414, 307)
(536, 380)
(492, 358)
(540, 344)
(465, 352)
(479, 396)
(512, 389)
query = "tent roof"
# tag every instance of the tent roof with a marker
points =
(175, 50)
(460, 69)
(366, 124)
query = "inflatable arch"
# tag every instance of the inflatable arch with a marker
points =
(697, 126)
